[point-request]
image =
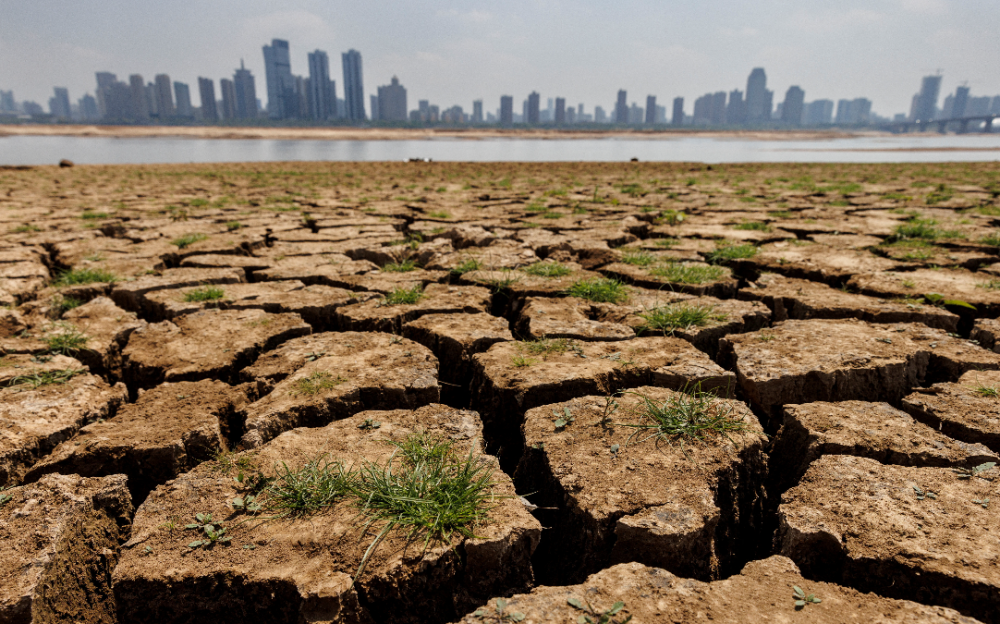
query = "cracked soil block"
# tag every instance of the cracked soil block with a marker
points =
(293, 569)
(968, 409)
(378, 315)
(625, 494)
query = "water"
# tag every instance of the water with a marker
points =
(39, 150)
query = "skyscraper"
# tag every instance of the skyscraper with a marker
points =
(245, 93)
(477, 111)
(506, 110)
(228, 90)
(650, 110)
(322, 90)
(137, 89)
(354, 90)
(281, 101)
(206, 88)
(621, 107)
(7, 102)
(183, 94)
(532, 112)
(961, 102)
(164, 97)
(677, 118)
(736, 110)
(718, 115)
(59, 103)
(88, 107)
(759, 99)
(560, 114)
(792, 109)
(104, 82)
(819, 113)
(925, 102)
(392, 101)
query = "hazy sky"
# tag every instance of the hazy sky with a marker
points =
(452, 52)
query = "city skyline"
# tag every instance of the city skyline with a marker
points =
(843, 50)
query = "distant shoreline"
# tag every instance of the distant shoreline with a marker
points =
(410, 134)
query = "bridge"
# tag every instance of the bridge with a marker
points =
(922, 125)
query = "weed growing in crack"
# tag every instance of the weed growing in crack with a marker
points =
(547, 269)
(67, 342)
(187, 240)
(404, 266)
(315, 383)
(38, 379)
(403, 296)
(63, 305)
(207, 293)
(506, 279)
(681, 273)
(600, 290)
(686, 417)
(77, 277)
(672, 317)
(426, 489)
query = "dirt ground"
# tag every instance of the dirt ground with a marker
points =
(763, 392)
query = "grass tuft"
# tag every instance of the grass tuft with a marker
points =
(315, 383)
(547, 269)
(467, 266)
(682, 273)
(686, 417)
(638, 257)
(68, 342)
(403, 296)
(670, 318)
(400, 267)
(76, 277)
(309, 489)
(600, 290)
(37, 379)
(991, 392)
(758, 226)
(208, 293)
(726, 253)
(187, 240)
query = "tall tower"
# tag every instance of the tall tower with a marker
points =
(506, 110)
(206, 87)
(533, 115)
(925, 102)
(560, 116)
(164, 96)
(322, 94)
(960, 102)
(354, 90)
(183, 95)
(477, 111)
(246, 93)
(137, 90)
(621, 107)
(281, 101)
(792, 109)
(650, 110)
(757, 105)
(391, 101)
(677, 117)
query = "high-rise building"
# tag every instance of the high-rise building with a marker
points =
(322, 90)
(560, 112)
(281, 100)
(599, 115)
(477, 111)
(961, 102)
(151, 104)
(736, 110)
(506, 110)
(228, 90)
(635, 114)
(88, 107)
(164, 97)
(183, 95)
(104, 82)
(7, 104)
(373, 107)
(819, 113)
(650, 110)
(353, 86)
(532, 113)
(245, 93)
(792, 108)
(114, 100)
(759, 99)
(677, 117)
(853, 112)
(137, 91)
(702, 115)
(206, 88)
(59, 103)
(718, 111)
(995, 105)
(621, 107)
(392, 101)
(925, 102)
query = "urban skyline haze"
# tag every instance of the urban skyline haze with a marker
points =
(456, 52)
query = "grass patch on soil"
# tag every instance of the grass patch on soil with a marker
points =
(672, 317)
(38, 379)
(992, 239)
(309, 489)
(208, 293)
(681, 273)
(693, 416)
(990, 392)
(404, 266)
(403, 296)
(187, 240)
(726, 253)
(922, 229)
(315, 383)
(63, 305)
(68, 342)
(547, 269)
(467, 266)
(600, 290)
(638, 257)
(78, 277)
(757, 226)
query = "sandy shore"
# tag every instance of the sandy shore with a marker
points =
(399, 134)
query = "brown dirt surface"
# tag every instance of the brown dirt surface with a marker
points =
(841, 360)
(791, 298)
(805, 293)
(33, 420)
(905, 532)
(207, 344)
(623, 493)
(968, 409)
(167, 431)
(59, 542)
(331, 376)
(875, 430)
(300, 568)
(762, 592)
